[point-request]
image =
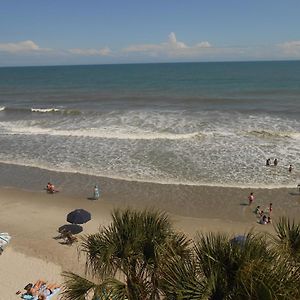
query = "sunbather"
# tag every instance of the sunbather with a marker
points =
(34, 289)
(47, 291)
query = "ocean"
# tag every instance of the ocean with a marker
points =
(182, 123)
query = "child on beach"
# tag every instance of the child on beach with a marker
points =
(270, 208)
(50, 187)
(257, 210)
(251, 198)
(264, 220)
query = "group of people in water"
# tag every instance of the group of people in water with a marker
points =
(264, 217)
(268, 162)
(275, 163)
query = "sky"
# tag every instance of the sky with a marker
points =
(62, 32)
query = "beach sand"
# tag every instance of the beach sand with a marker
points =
(33, 217)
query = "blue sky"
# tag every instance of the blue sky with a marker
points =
(40, 32)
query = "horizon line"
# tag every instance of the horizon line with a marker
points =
(152, 63)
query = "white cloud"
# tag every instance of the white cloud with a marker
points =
(21, 47)
(291, 48)
(91, 52)
(203, 45)
(173, 43)
(172, 47)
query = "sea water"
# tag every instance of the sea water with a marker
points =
(181, 123)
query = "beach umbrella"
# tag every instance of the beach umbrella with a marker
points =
(78, 216)
(73, 228)
(4, 240)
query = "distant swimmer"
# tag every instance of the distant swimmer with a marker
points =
(268, 162)
(290, 168)
(251, 198)
(275, 162)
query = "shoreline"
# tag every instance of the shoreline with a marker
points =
(128, 180)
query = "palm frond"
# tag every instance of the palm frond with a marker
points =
(288, 238)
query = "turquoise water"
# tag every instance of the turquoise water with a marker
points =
(191, 123)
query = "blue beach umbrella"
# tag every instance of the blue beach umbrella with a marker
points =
(73, 228)
(78, 216)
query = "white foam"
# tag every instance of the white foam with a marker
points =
(44, 110)
(112, 133)
(2, 108)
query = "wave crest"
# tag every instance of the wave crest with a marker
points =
(270, 134)
(45, 110)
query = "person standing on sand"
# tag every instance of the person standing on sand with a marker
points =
(251, 198)
(268, 162)
(270, 209)
(290, 168)
(96, 192)
(275, 162)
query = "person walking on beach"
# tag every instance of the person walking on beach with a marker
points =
(268, 162)
(251, 198)
(290, 168)
(275, 162)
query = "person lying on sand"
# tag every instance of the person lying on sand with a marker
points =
(39, 289)
(33, 289)
(47, 291)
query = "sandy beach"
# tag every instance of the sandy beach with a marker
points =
(33, 217)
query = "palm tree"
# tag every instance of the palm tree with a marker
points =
(287, 240)
(223, 269)
(127, 257)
